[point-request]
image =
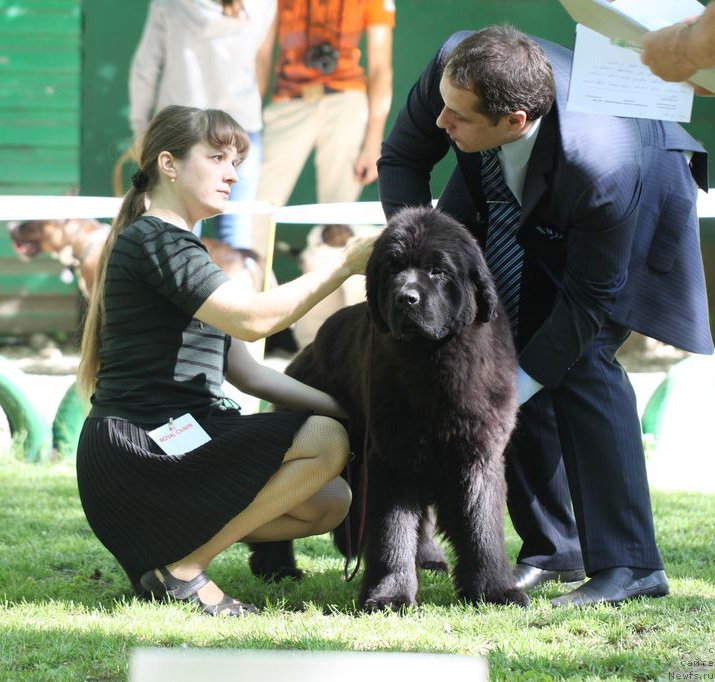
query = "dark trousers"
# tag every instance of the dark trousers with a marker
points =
(583, 438)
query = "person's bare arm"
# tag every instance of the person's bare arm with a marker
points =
(265, 313)
(251, 377)
(264, 59)
(379, 94)
(675, 53)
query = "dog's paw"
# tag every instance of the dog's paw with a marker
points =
(431, 556)
(430, 565)
(390, 602)
(270, 567)
(494, 594)
(276, 575)
(510, 596)
(395, 591)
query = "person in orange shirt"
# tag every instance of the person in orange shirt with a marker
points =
(324, 99)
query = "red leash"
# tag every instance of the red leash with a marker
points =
(363, 491)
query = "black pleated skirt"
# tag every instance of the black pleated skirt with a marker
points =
(150, 509)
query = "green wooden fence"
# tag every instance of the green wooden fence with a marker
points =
(40, 58)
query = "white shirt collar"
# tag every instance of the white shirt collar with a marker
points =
(517, 153)
(514, 158)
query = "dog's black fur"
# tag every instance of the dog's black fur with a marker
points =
(442, 407)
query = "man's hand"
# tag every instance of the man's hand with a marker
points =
(664, 52)
(675, 53)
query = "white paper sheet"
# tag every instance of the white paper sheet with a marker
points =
(607, 79)
(656, 14)
(625, 21)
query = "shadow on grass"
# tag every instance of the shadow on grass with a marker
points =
(55, 653)
(49, 551)
(630, 665)
(63, 654)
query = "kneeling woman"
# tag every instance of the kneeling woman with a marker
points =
(157, 345)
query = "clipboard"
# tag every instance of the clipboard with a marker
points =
(624, 30)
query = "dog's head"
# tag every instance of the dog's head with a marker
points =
(31, 237)
(427, 277)
(69, 240)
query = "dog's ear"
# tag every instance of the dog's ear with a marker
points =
(374, 272)
(486, 292)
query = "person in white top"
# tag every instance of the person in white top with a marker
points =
(208, 54)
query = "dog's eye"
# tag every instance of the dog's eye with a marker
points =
(437, 273)
(394, 267)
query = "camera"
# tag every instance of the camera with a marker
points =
(323, 57)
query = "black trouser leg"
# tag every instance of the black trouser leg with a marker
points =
(537, 490)
(601, 438)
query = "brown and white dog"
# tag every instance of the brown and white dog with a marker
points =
(77, 244)
(324, 244)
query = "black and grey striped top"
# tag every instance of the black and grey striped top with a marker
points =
(156, 360)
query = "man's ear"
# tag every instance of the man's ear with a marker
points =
(518, 121)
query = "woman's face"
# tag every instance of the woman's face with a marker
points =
(204, 178)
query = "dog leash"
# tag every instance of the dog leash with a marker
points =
(363, 482)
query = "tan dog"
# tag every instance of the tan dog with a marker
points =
(324, 245)
(77, 244)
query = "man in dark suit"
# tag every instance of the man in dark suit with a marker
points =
(589, 225)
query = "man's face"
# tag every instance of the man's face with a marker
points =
(470, 130)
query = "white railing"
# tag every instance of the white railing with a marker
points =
(37, 207)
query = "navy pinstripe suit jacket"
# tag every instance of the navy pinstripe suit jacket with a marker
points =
(609, 224)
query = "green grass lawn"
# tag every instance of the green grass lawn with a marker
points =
(66, 612)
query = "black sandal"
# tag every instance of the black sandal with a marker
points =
(170, 588)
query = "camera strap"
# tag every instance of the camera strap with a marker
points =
(324, 25)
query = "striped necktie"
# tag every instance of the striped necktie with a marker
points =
(503, 253)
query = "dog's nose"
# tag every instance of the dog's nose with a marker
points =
(408, 298)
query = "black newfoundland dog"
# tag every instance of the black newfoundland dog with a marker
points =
(435, 363)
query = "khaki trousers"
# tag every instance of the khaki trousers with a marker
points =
(334, 125)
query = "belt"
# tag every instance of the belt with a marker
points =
(312, 92)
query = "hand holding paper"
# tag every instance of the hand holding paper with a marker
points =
(676, 52)
(607, 79)
(626, 22)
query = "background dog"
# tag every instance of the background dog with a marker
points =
(434, 366)
(77, 244)
(324, 245)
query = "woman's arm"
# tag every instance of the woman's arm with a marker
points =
(256, 379)
(265, 313)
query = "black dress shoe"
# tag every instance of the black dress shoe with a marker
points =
(614, 585)
(527, 576)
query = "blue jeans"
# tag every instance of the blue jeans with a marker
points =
(236, 230)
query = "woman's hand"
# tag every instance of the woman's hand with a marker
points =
(252, 317)
(357, 252)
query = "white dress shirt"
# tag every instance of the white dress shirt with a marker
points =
(514, 159)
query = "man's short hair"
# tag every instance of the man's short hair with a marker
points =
(507, 71)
